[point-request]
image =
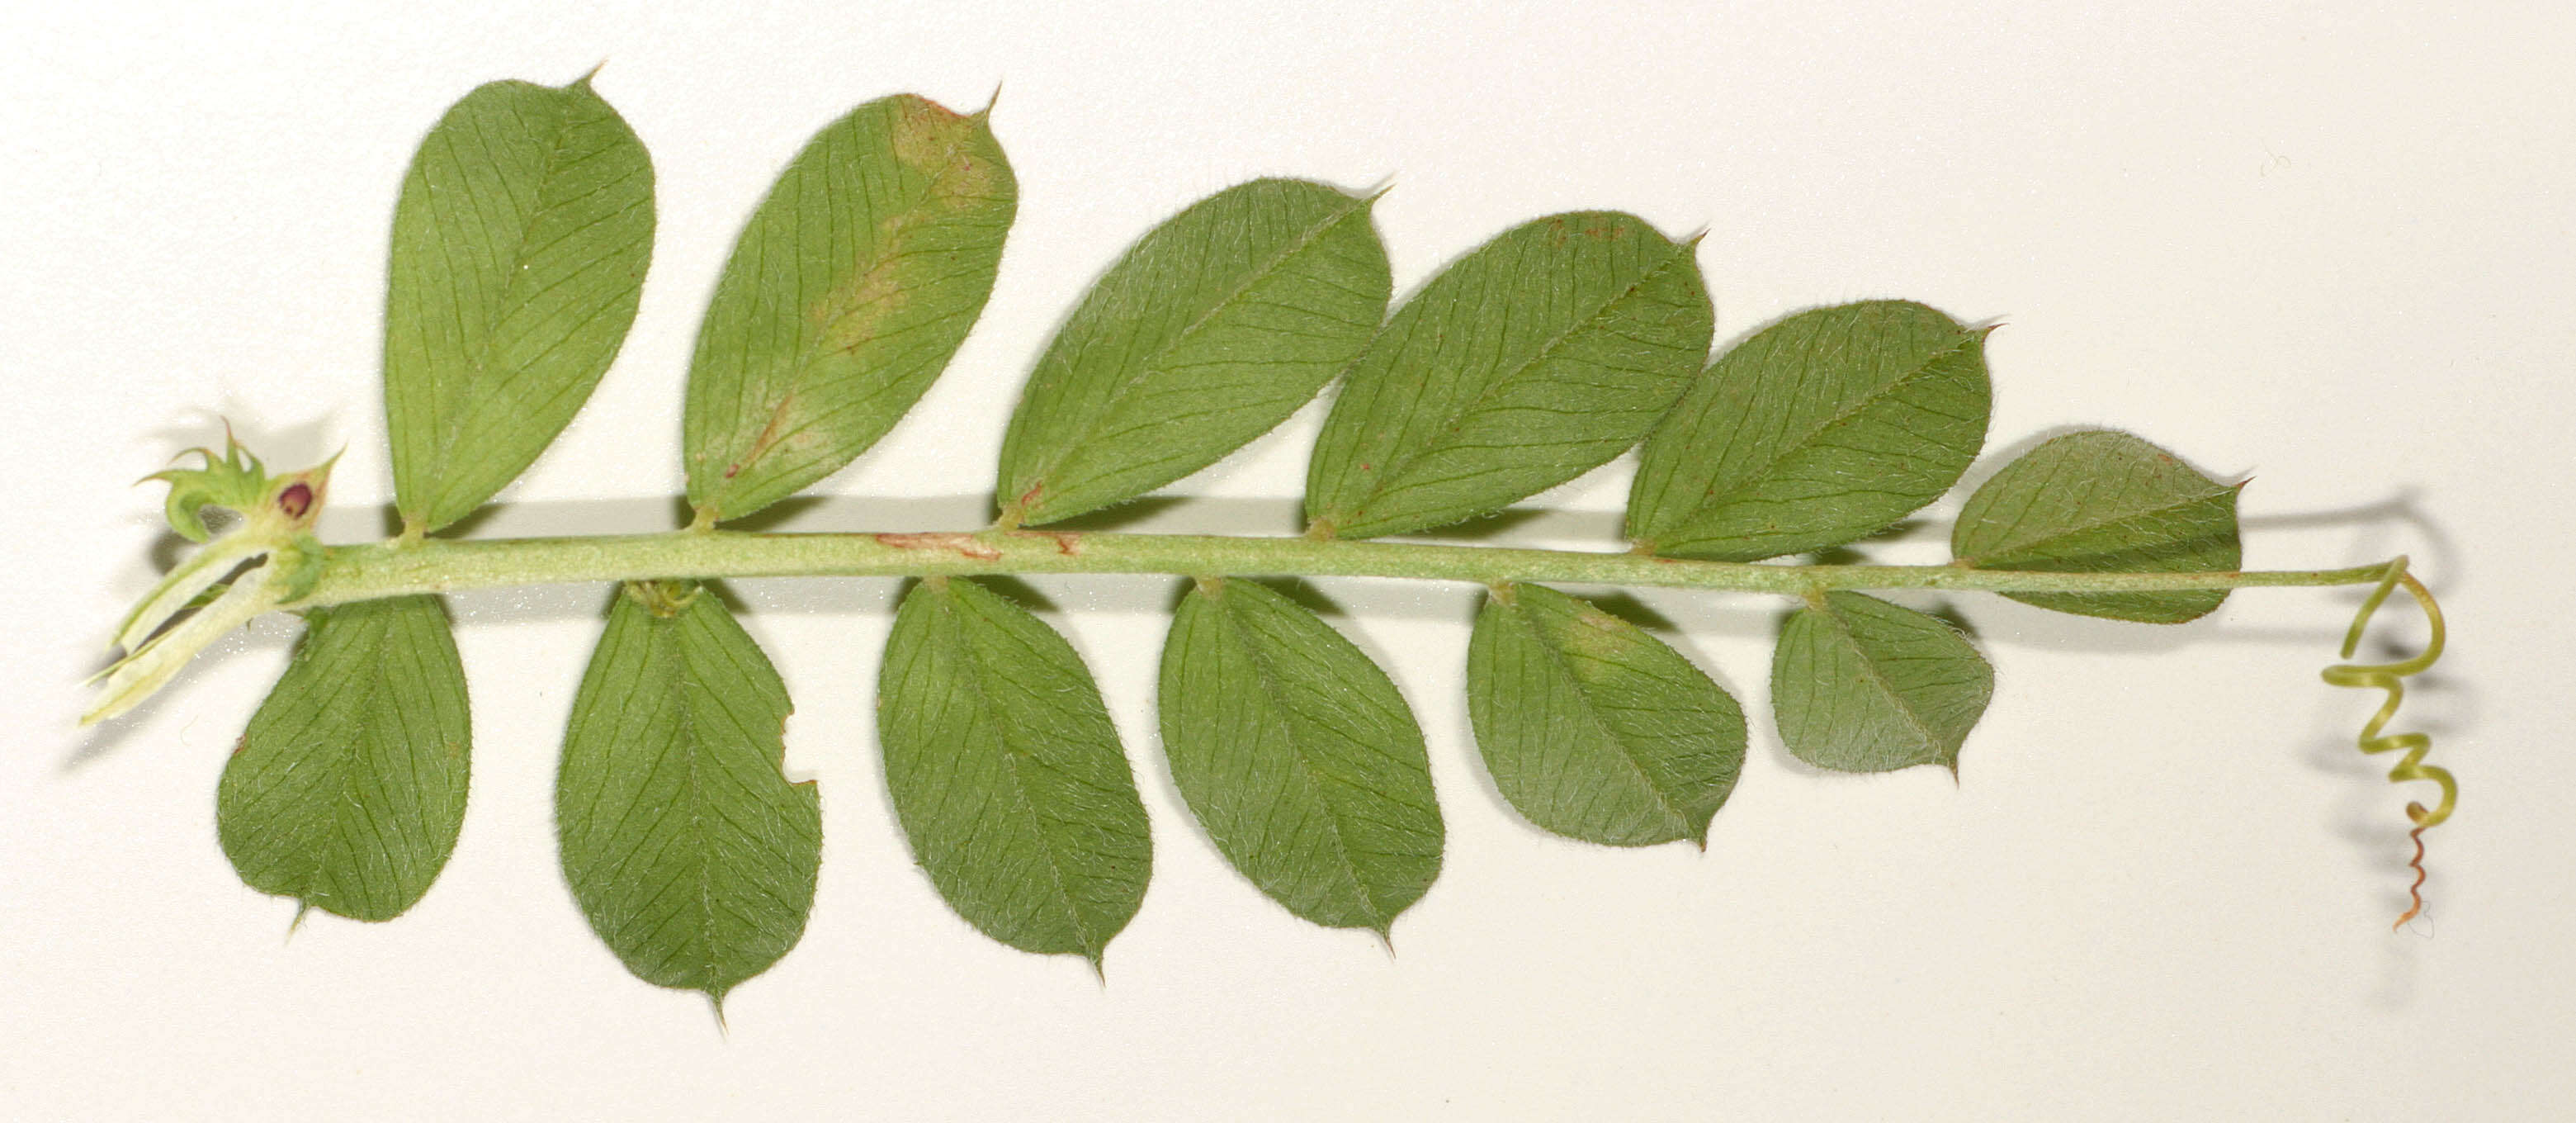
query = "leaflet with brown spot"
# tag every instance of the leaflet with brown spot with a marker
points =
(849, 291)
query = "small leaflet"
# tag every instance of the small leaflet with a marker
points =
(347, 791)
(1212, 329)
(854, 283)
(1817, 431)
(1007, 774)
(519, 248)
(1593, 728)
(1298, 756)
(2104, 501)
(1532, 360)
(1861, 685)
(693, 858)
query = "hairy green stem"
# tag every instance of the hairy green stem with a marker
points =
(352, 573)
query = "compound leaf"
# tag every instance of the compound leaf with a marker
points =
(691, 855)
(1861, 685)
(1530, 361)
(1593, 728)
(853, 284)
(1820, 429)
(519, 248)
(347, 791)
(2099, 501)
(1007, 774)
(1213, 328)
(1299, 757)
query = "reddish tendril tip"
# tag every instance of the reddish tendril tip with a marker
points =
(2415, 892)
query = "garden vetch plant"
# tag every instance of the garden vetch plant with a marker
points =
(520, 246)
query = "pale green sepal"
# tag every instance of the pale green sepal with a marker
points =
(150, 667)
(182, 586)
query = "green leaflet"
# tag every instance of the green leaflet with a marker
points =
(1213, 328)
(1861, 685)
(1594, 729)
(1007, 774)
(2103, 501)
(519, 250)
(1299, 757)
(855, 281)
(692, 857)
(348, 788)
(1817, 431)
(1530, 361)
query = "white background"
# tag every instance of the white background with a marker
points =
(2326, 245)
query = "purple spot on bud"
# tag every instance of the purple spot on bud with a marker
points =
(295, 500)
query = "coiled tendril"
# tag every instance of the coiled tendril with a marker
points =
(2388, 676)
